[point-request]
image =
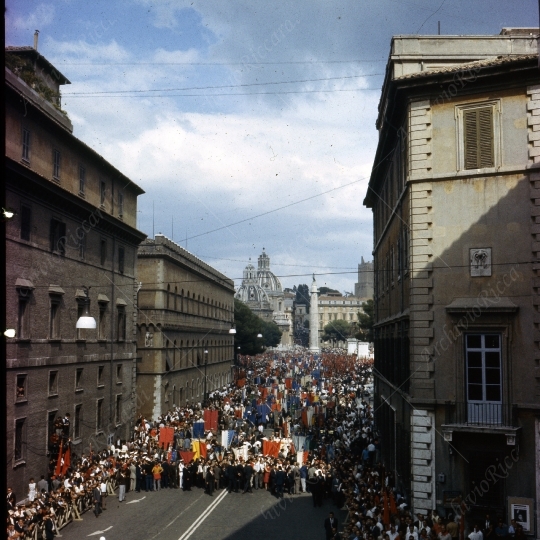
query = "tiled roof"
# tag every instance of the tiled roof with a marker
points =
(489, 62)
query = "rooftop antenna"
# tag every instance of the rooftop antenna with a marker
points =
(153, 215)
(172, 228)
(439, 25)
(36, 35)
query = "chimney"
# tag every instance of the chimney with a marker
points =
(36, 34)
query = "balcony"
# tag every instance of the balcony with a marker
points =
(481, 417)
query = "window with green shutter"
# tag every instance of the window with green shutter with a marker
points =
(478, 138)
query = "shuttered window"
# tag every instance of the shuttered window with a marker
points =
(478, 138)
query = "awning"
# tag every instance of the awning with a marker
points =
(24, 284)
(56, 289)
(103, 298)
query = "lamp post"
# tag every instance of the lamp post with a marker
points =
(86, 320)
(205, 365)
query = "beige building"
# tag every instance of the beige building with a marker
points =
(454, 193)
(74, 227)
(186, 309)
(333, 307)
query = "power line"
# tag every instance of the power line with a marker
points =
(226, 94)
(290, 62)
(221, 86)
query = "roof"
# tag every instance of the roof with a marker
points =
(490, 62)
(30, 51)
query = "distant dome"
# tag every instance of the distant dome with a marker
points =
(251, 293)
(267, 280)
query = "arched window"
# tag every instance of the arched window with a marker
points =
(168, 295)
(175, 296)
(182, 301)
(174, 355)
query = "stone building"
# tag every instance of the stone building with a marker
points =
(364, 288)
(262, 292)
(186, 309)
(334, 307)
(74, 227)
(454, 193)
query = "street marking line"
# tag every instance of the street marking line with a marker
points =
(199, 521)
(136, 500)
(178, 516)
(100, 532)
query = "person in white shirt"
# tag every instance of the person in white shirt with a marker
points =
(476, 534)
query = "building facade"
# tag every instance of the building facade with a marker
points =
(186, 309)
(73, 230)
(364, 288)
(334, 307)
(262, 292)
(453, 192)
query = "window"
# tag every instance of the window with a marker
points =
(23, 323)
(102, 323)
(103, 252)
(121, 323)
(78, 378)
(26, 222)
(102, 193)
(99, 415)
(121, 260)
(19, 451)
(120, 205)
(20, 390)
(82, 179)
(25, 144)
(81, 236)
(100, 372)
(54, 317)
(479, 135)
(77, 422)
(483, 378)
(56, 164)
(51, 429)
(53, 383)
(58, 237)
(119, 373)
(118, 409)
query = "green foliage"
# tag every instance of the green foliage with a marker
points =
(303, 295)
(365, 322)
(271, 334)
(23, 68)
(248, 325)
(338, 330)
(326, 290)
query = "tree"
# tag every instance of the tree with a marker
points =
(303, 296)
(248, 325)
(365, 322)
(338, 330)
(271, 334)
(326, 290)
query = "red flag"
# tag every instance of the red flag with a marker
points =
(187, 456)
(386, 511)
(202, 449)
(67, 460)
(58, 468)
(393, 508)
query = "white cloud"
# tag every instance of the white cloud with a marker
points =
(41, 17)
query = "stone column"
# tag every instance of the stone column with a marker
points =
(314, 318)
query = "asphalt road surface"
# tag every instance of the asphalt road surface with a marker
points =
(172, 514)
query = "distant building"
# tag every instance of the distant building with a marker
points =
(334, 307)
(74, 227)
(364, 288)
(455, 199)
(262, 292)
(186, 309)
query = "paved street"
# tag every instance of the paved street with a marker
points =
(176, 515)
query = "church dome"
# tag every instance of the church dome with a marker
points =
(267, 280)
(249, 293)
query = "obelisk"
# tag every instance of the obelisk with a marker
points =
(314, 318)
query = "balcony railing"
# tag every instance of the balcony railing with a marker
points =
(478, 414)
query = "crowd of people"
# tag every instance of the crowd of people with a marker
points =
(290, 423)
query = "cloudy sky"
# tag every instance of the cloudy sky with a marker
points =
(249, 124)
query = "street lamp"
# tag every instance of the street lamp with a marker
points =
(232, 330)
(205, 364)
(86, 320)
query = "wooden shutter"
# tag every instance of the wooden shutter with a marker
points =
(478, 138)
